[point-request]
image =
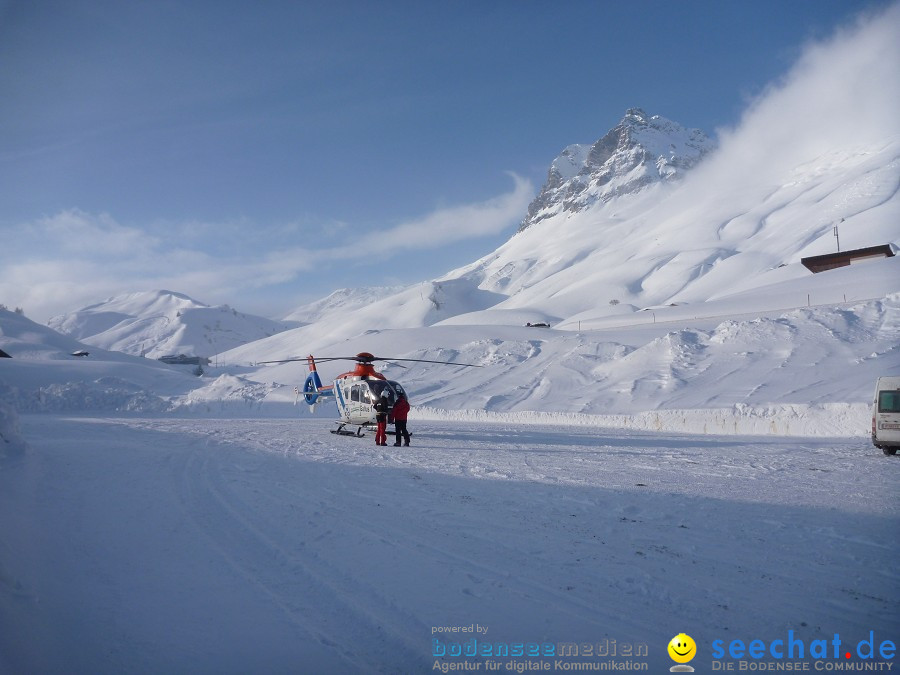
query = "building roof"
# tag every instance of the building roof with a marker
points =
(820, 263)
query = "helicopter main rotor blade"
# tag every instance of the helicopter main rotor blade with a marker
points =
(367, 359)
(446, 363)
(323, 359)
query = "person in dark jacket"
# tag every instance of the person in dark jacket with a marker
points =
(400, 412)
(381, 415)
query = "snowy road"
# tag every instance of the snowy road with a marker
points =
(269, 546)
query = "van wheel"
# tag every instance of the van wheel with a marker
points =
(889, 451)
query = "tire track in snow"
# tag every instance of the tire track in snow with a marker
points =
(573, 585)
(312, 603)
(471, 569)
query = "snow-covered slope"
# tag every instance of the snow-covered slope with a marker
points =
(691, 243)
(810, 356)
(152, 543)
(418, 305)
(158, 323)
(340, 301)
(44, 375)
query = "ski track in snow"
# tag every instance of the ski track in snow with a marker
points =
(173, 545)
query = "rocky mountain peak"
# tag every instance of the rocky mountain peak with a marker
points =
(640, 150)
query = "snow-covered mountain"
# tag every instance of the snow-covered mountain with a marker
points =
(700, 239)
(592, 251)
(732, 318)
(159, 323)
(639, 151)
(683, 293)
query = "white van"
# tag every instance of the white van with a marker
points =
(886, 415)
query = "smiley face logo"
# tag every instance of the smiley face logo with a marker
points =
(682, 648)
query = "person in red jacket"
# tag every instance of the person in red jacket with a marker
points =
(400, 412)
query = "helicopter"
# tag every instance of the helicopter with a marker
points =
(357, 391)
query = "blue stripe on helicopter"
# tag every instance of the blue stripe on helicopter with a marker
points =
(311, 388)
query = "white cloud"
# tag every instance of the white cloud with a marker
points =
(446, 225)
(74, 231)
(72, 259)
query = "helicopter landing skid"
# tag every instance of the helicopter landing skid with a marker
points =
(344, 432)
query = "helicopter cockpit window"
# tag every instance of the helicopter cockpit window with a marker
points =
(356, 393)
(379, 386)
(398, 387)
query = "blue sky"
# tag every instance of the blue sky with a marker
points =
(266, 153)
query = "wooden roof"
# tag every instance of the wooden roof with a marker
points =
(820, 263)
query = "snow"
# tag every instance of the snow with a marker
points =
(701, 466)
(11, 441)
(164, 545)
(704, 468)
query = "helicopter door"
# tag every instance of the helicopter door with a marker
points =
(360, 402)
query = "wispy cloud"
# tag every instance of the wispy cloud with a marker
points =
(73, 258)
(446, 225)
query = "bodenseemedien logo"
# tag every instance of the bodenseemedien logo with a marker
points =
(682, 649)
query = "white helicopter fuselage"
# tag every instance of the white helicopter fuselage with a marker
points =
(356, 396)
(357, 391)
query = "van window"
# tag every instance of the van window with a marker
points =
(889, 401)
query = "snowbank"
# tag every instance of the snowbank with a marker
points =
(106, 394)
(825, 420)
(230, 395)
(11, 442)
